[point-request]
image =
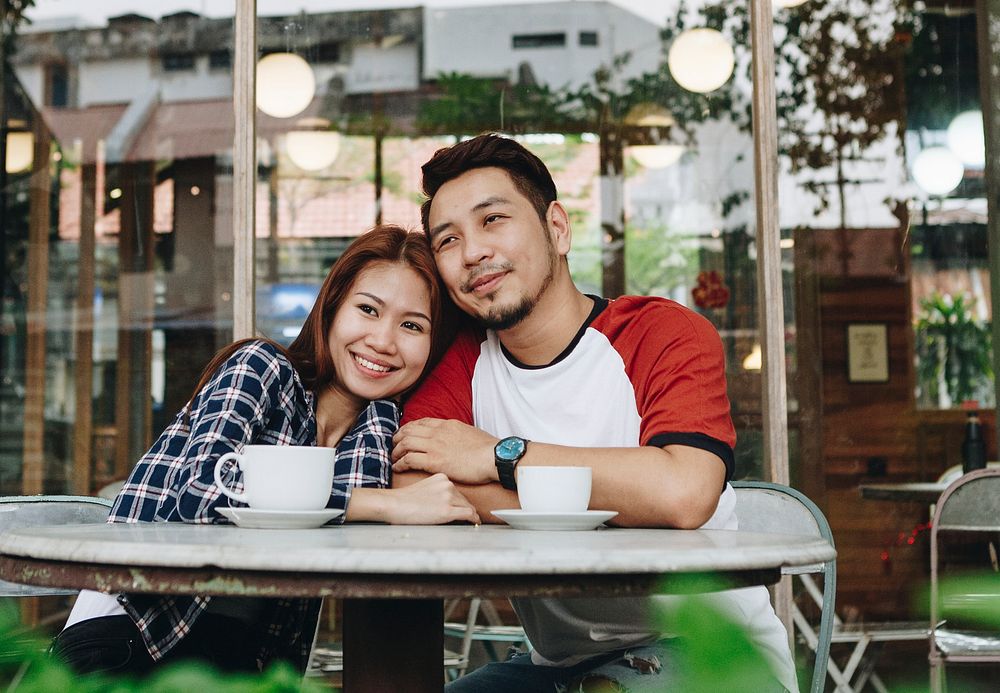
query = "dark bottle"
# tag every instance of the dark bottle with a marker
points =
(973, 447)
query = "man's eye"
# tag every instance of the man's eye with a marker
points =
(491, 218)
(448, 240)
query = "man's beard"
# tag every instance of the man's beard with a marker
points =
(506, 317)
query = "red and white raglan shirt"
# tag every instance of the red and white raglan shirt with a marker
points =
(641, 371)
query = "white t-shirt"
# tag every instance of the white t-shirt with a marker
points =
(641, 371)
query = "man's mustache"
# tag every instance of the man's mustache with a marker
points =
(466, 286)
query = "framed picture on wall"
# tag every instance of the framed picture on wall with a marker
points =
(868, 353)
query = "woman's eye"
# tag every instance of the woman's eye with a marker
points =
(413, 327)
(365, 308)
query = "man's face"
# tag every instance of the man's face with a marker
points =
(494, 254)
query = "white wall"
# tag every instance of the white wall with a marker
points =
(478, 41)
(113, 81)
(383, 69)
(195, 85)
(32, 78)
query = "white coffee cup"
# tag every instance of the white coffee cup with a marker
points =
(553, 489)
(281, 477)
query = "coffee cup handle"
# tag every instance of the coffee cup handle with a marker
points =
(241, 497)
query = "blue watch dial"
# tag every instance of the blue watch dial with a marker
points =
(510, 448)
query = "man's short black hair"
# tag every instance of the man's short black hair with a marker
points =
(530, 176)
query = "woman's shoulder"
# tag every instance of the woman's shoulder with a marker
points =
(380, 418)
(264, 358)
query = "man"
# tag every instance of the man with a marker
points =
(633, 388)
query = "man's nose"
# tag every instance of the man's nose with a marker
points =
(476, 249)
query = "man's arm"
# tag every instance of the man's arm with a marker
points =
(674, 486)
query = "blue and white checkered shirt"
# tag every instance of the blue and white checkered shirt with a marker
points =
(257, 398)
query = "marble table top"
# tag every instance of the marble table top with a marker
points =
(389, 549)
(924, 492)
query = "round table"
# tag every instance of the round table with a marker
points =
(393, 577)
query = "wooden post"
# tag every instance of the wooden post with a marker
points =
(417, 627)
(244, 167)
(133, 415)
(988, 39)
(770, 302)
(39, 221)
(83, 425)
(612, 181)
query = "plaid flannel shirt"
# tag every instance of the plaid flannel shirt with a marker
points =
(256, 397)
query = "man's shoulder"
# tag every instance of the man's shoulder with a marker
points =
(467, 343)
(642, 312)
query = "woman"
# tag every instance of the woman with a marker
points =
(377, 326)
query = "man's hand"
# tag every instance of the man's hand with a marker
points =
(462, 452)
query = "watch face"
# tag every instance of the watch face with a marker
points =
(510, 448)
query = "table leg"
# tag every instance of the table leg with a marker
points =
(393, 645)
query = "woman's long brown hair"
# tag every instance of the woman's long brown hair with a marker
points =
(310, 352)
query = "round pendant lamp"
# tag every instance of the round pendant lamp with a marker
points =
(937, 170)
(966, 138)
(701, 60)
(20, 151)
(659, 155)
(313, 147)
(285, 85)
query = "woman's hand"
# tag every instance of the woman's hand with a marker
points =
(431, 501)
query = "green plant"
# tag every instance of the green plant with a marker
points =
(954, 352)
(25, 667)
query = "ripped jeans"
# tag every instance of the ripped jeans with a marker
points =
(635, 670)
(644, 669)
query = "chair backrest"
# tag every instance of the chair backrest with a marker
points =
(955, 471)
(762, 506)
(970, 504)
(37, 511)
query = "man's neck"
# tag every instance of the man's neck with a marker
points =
(550, 327)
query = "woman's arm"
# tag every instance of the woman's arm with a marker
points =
(364, 472)
(431, 501)
(232, 410)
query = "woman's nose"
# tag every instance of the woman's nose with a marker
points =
(381, 337)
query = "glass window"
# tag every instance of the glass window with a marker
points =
(554, 40)
(117, 257)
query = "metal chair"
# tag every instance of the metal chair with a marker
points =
(971, 504)
(471, 630)
(763, 506)
(36, 511)
(767, 507)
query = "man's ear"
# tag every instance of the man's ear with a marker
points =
(559, 227)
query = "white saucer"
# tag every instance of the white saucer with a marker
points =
(522, 519)
(279, 519)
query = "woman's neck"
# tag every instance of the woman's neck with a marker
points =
(336, 412)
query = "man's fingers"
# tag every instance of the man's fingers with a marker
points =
(410, 461)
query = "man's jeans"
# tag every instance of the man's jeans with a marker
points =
(645, 669)
(112, 645)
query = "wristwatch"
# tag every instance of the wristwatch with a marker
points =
(507, 453)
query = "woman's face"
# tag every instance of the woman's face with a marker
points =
(380, 337)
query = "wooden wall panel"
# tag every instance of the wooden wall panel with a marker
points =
(872, 432)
